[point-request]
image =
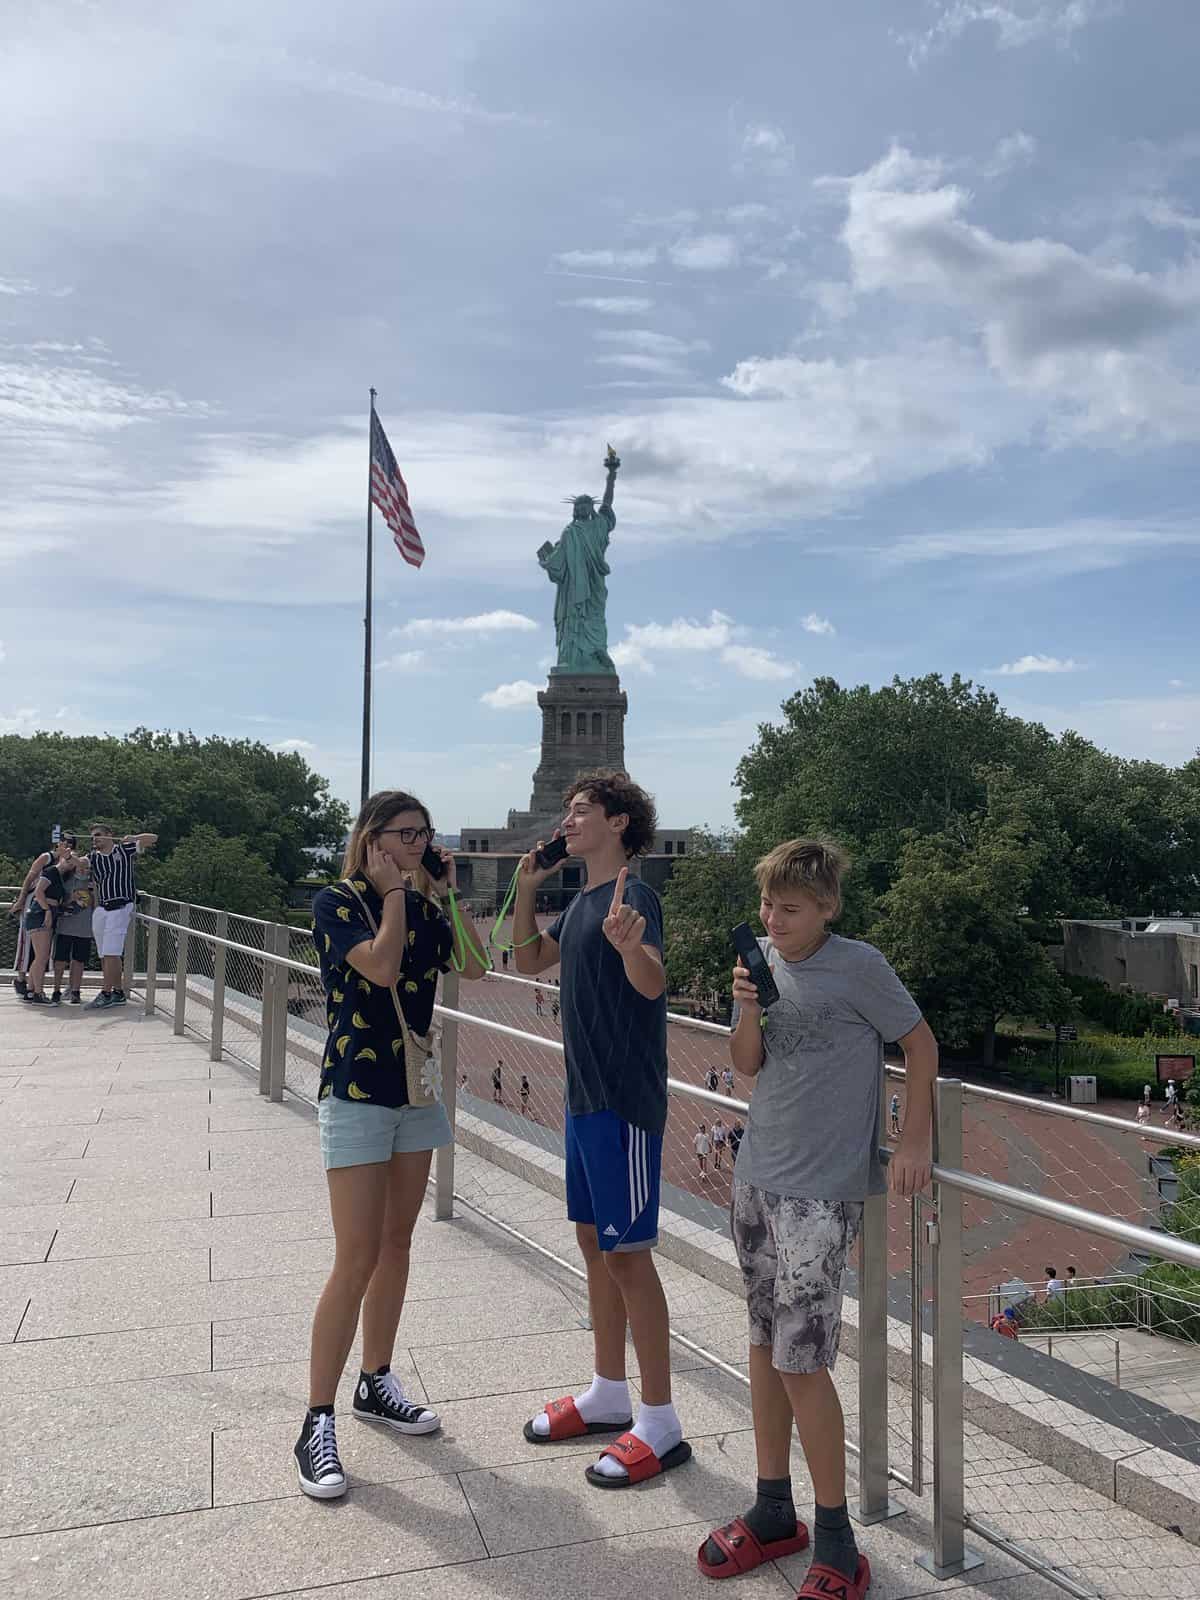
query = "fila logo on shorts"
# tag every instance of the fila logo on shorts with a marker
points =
(614, 1171)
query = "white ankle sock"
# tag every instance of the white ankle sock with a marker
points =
(657, 1426)
(605, 1400)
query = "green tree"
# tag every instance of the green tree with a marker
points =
(712, 889)
(955, 926)
(169, 784)
(209, 869)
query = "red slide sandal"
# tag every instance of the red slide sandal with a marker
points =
(827, 1583)
(566, 1423)
(743, 1552)
(639, 1462)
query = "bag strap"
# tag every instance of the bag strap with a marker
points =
(393, 989)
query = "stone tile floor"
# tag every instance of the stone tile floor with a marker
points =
(165, 1236)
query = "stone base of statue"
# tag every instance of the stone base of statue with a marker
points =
(583, 727)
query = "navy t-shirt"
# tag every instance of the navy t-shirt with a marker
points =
(615, 1039)
(364, 1054)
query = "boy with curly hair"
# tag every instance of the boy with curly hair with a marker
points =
(609, 942)
(807, 1162)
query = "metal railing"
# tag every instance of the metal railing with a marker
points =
(270, 1003)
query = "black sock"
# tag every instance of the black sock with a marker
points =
(833, 1540)
(320, 1411)
(771, 1517)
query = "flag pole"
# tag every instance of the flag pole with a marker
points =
(366, 723)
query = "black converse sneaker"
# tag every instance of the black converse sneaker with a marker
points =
(76, 997)
(118, 997)
(318, 1465)
(378, 1397)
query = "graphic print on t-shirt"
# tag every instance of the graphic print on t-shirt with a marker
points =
(790, 1029)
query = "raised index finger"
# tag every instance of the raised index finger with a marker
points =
(618, 892)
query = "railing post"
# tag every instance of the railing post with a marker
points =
(443, 1205)
(950, 1558)
(129, 955)
(217, 1034)
(276, 936)
(873, 1502)
(270, 988)
(181, 967)
(916, 1335)
(151, 953)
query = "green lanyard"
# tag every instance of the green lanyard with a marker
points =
(464, 941)
(510, 895)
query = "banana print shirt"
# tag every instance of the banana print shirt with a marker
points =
(364, 1054)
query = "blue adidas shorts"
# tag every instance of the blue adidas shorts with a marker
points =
(613, 1174)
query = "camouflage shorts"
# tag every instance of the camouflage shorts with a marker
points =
(792, 1253)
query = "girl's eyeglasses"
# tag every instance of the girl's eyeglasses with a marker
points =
(409, 835)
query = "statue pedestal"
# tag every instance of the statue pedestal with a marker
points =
(583, 727)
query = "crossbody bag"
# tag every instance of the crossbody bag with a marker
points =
(422, 1051)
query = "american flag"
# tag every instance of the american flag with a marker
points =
(390, 494)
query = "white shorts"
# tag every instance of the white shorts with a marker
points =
(109, 929)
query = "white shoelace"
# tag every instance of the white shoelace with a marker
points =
(393, 1392)
(322, 1447)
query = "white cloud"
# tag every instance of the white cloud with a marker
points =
(1015, 151)
(3, 651)
(1176, 683)
(613, 305)
(403, 661)
(750, 211)
(1166, 727)
(288, 746)
(753, 662)
(1036, 663)
(767, 148)
(705, 252)
(686, 635)
(812, 623)
(1091, 337)
(1090, 545)
(511, 696)
(316, 76)
(1013, 27)
(650, 342)
(486, 622)
(581, 260)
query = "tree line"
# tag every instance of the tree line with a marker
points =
(972, 831)
(237, 822)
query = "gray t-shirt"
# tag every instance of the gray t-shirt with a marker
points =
(75, 918)
(813, 1128)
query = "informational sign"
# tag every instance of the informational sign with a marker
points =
(1178, 1067)
(1068, 1033)
(56, 833)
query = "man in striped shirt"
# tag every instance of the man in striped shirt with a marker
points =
(115, 887)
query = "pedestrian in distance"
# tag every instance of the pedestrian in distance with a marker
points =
(806, 1165)
(702, 1144)
(1005, 1324)
(736, 1134)
(114, 881)
(1143, 1112)
(727, 1081)
(894, 1116)
(711, 1080)
(41, 912)
(498, 1083)
(73, 932)
(718, 1134)
(538, 1002)
(504, 959)
(1146, 1093)
(382, 938)
(1054, 1286)
(555, 1008)
(609, 941)
(524, 1094)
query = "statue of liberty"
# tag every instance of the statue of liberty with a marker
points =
(577, 568)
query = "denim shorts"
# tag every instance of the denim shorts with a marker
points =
(353, 1135)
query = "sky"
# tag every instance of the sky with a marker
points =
(891, 309)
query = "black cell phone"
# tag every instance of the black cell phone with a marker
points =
(551, 854)
(433, 863)
(752, 958)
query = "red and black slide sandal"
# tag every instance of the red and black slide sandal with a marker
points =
(743, 1552)
(639, 1461)
(566, 1423)
(827, 1583)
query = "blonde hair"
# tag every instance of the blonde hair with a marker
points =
(377, 811)
(814, 867)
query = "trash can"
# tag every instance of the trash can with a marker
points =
(1081, 1090)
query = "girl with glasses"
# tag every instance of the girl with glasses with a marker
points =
(382, 938)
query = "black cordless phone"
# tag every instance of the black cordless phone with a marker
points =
(551, 854)
(755, 962)
(433, 863)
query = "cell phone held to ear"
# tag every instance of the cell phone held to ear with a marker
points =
(551, 854)
(751, 956)
(433, 864)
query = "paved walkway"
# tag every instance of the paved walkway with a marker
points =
(165, 1235)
